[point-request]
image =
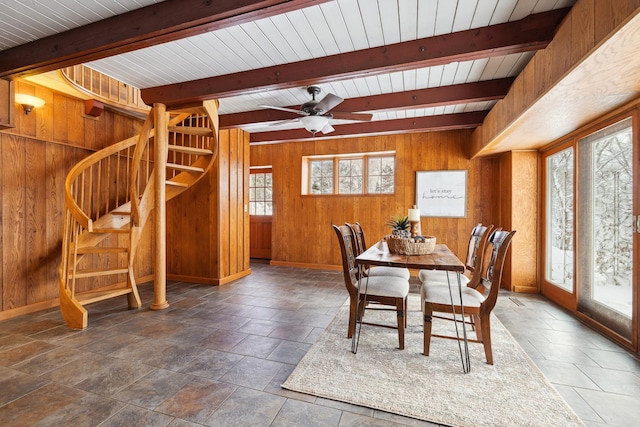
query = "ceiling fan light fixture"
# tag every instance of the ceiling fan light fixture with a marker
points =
(314, 123)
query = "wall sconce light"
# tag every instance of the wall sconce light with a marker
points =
(28, 102)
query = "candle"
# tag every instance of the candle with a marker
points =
(414, 214)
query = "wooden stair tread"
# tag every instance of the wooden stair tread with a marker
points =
(101, 250)
(187, 168)
(177, 184)
(97, 272)
(190, 150)
(190, 130)
(95, 296)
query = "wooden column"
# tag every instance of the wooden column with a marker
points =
(160, 207)
(519, 211)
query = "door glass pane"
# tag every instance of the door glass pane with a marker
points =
(559, 227)
(606, 226)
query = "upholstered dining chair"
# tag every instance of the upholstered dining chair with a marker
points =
(381, 290)
(477, 302)
(475, 253)
(361, 246)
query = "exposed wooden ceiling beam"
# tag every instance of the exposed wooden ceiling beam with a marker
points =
(154, 24)
(488, 90)
(531, 33)
(417, 124)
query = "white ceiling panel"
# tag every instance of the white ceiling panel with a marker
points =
(317, 31)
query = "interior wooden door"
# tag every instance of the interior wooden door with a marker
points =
(260, 212)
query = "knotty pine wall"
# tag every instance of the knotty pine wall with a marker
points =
(302, 233)
(35, 157)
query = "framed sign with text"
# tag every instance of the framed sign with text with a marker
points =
(442, 193)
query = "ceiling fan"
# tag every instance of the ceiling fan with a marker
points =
(315, 114)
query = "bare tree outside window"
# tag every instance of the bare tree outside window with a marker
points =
(321, 176)
(382, 173)
(559, 259)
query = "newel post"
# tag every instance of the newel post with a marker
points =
(160, 153)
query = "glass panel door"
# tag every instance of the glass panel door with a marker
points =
(605, 224)
(559, 223)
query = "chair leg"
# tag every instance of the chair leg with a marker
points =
(426, 327)
(401, 309)
(485, 333)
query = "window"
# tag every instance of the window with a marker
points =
(321, 177)
(260, 193)
(366, 173)
(350, 175)
(559, 253)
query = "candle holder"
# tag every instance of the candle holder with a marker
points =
(414, 220)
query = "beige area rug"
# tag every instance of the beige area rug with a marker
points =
(512, 392)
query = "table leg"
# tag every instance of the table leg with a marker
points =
(466, 361)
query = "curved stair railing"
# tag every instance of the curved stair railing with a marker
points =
(109, 198)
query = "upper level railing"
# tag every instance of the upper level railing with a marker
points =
(104, 88)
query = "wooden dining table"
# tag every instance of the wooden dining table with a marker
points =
(442, 258)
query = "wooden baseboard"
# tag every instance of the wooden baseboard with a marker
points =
(31, 308)
(208, 280)
(44, 305)
(304, 265)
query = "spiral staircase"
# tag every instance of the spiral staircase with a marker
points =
(110, 195)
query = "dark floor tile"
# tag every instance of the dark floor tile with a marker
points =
(153, 389)
(289, 352)
(212, 364)
(39, 404)
(297, 413)
(246, 407)
(90, 410)
(24, 352)
(49, 361)
(222, 340)
(14, 384)
(135, 416)
(256, 346)
(113, 376)
(197, 400)
(252, 372)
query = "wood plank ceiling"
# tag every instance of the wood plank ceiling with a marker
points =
(415, 65)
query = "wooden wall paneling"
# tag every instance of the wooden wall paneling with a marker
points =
(56, 172)
(505, 203)
(245, 200)
(36, 221)
(560, 48)
(524, 219)
(7, 104)
(223, 204)
(234, 202)
(60, 114)
(212, 185)
(582, 29)
(313, 215)
(610, 14)
(2, 143)
(14, 225)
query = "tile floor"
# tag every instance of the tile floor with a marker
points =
(218, 355)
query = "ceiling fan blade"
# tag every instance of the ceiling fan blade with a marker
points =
(327, 128)
(327, 103)
(282, 122)
(289, 110)
(364, 117)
